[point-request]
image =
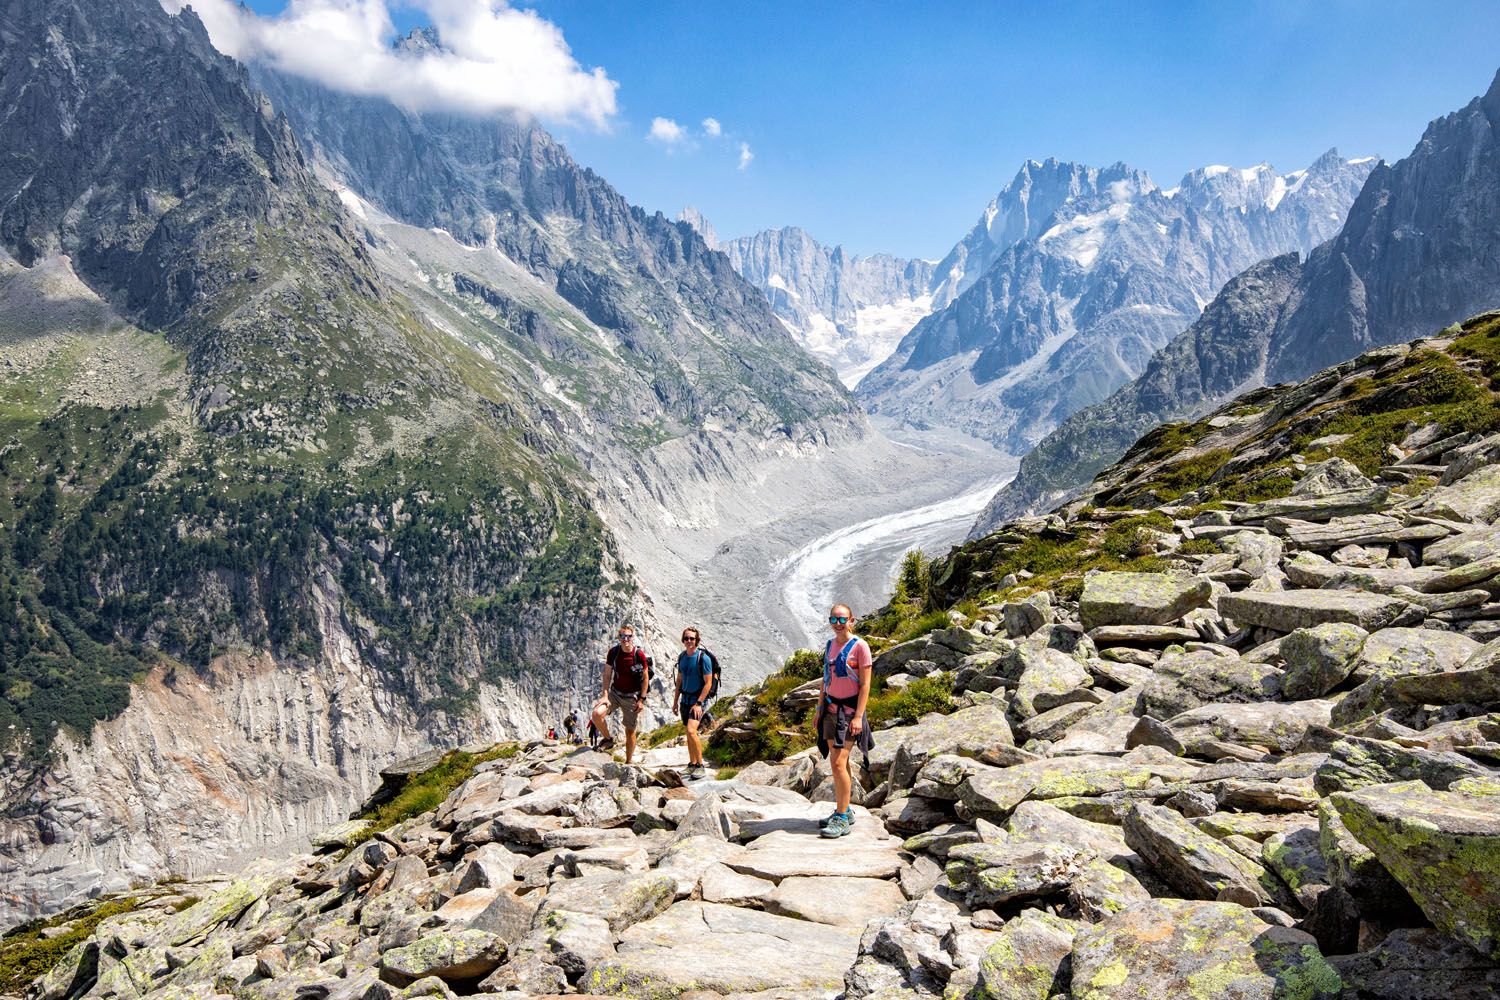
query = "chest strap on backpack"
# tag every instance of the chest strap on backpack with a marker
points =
(839, 666)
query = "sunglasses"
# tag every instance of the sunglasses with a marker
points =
(626, 635)
(690, 638)
(838, 620)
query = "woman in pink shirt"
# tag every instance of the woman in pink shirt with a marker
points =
(841, 721)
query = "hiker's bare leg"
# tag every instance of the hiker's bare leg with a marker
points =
(843, 785)
(629, 745)
(695, 749)
(601, 717)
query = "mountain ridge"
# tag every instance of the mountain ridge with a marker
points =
(1085, 273)
(1416, 252)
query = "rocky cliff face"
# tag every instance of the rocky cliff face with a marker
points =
(1418, 250)
(1077, 275)
(849, 311)
(1416, 253)
(329, 513)
(1226, 726)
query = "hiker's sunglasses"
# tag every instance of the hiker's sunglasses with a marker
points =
(627, 635)
(838, 620)
(690, 638)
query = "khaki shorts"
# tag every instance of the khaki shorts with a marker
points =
(625, 705)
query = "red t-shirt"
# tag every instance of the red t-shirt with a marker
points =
(629, 671)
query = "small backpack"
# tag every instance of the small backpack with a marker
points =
(839, 665)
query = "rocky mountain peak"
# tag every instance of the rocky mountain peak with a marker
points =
(1085, 293)
(1405, 258)
(419, 40)
(704, 228)
(845, 309)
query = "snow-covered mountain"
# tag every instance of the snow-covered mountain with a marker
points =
(1075, 275)
(846, 310)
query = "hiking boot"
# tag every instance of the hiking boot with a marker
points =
(695, 771)
(606, 744)
(838, 826)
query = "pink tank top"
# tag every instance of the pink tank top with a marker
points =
(859, 659)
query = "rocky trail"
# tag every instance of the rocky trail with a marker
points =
(1265, 767)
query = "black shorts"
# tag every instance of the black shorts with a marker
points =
(685, 709)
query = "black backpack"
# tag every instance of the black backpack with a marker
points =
(713, 692)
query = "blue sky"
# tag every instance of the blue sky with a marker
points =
(887, 126)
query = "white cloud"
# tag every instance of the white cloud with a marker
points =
(745, 155)
(494, 58)
(711, 127)
(666, 131)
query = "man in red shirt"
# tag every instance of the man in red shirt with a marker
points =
(627, 675)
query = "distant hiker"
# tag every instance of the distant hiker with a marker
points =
(697, 669)
(570, 726)
(593, 734)
(627, 675)
(551, 732)
(841, 721)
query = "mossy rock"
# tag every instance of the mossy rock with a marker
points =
(1028, 958)
(1190, 950)
(1443, 847)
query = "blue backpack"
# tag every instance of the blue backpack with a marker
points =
(839, 666)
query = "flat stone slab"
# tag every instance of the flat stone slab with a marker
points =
(1147, 635)
(1288, 610)
(781, 855)
(725, 950)
(1341, 503)
(1139, 598)
(844, 902)
(1476, 497)
(1367, 529)
(1276, 725)
(622, 900)
(722, 884)
(994, 792)
(801, 817)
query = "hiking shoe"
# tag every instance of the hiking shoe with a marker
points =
(607, 744)
(825, 822)
(838, 826)
(694, 771)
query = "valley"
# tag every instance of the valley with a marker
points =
(341, 427)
